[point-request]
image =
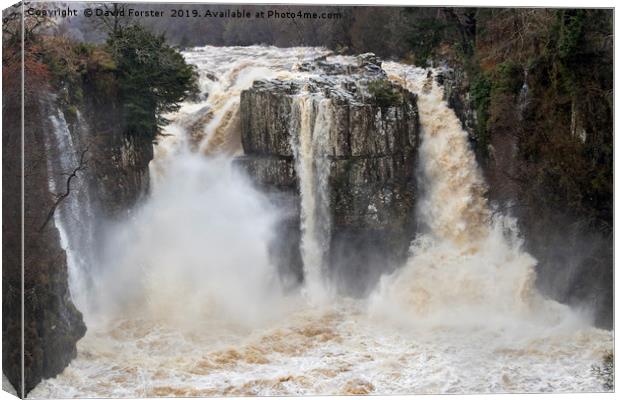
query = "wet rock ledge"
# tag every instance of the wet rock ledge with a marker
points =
(371, 150)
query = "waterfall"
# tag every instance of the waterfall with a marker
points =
(194, 306)
(467, 266)
(211, 127)
(310, 147)
(74, 216)
(524, 96)
(209, 229)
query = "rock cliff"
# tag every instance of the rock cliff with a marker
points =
(574, 261)
(52, 324)
(111, 179)
(117, 173)
(370, 151)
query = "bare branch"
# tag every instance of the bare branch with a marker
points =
(59, 198)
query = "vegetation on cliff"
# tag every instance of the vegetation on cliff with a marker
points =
(541, 84)
(61, 72)
(147, 76)
(384, 94)
(153, 78)
(564, 133)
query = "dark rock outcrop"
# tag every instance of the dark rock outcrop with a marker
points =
(114, 178)
(456, 84)
(118, 172)
(575, 263)
(52, 325)
(371, 152)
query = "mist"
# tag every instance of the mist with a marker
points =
(197, 249)
(191, 300)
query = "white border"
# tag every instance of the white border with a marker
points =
(478, 3)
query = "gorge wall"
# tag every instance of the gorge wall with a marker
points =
(118, 174)
(368, 150)
(575, 256)
(62, 213)
(52, 324)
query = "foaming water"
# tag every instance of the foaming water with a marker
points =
(335, 350)
(223, 74)
(467, 267)
(198, 249)
(191, 305)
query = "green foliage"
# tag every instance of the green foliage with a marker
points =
(71, 112)
(71, 65)
(153, 78)
(424, 36)
(481, 92)
(571, 33)
(605, 372)
(384, 94)
(509, 78)
(481, 96)
(571, 81)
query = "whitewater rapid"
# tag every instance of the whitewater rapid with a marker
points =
(198, 311)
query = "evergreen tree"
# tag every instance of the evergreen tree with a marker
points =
(153, 78)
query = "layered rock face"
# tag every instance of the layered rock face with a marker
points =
(575, 264)
(117, 173)
(369, 151)
(112, 177)
(52, 324)
(115, 177)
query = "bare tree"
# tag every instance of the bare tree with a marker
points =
(112, 18)
(60, 197)
(12, 22)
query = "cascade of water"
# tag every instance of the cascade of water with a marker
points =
(213, 124)
(312, 165)
(223, 76)
(73, 217)
(524, 96)
(196, 253)
(468, 265)
(196, 151)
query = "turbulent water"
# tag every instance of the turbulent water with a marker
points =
(191, 305)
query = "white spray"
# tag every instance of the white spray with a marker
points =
(195, 254)
(197, 250)
(468, 267)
